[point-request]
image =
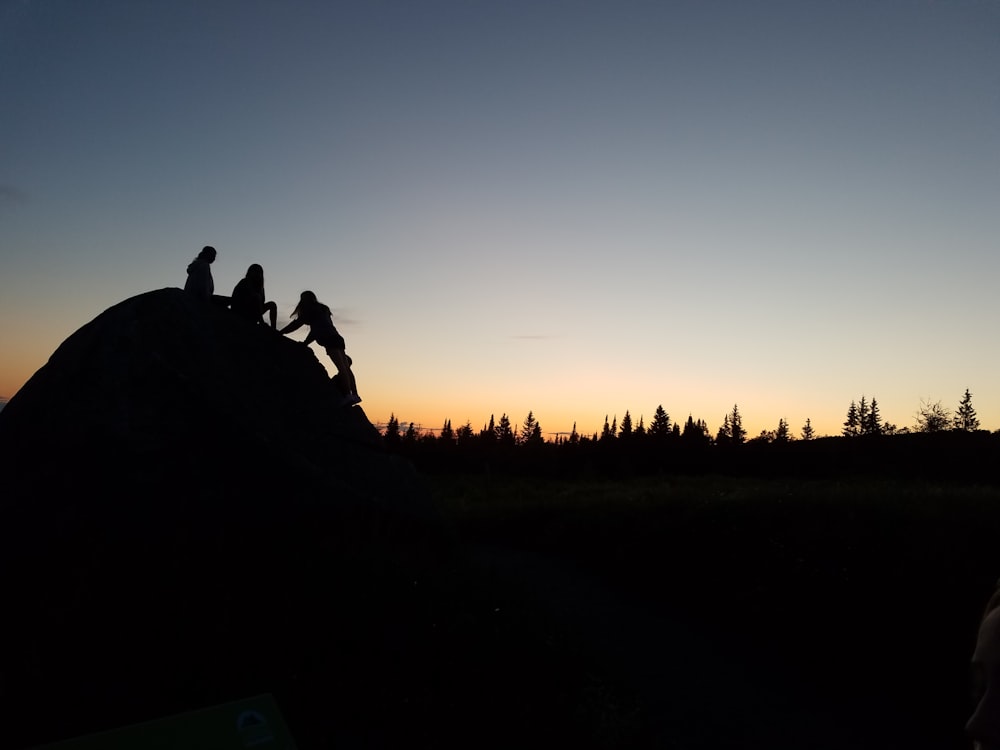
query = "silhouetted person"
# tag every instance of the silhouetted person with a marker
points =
(317, 316)
(339, 381)
(249, 301)
(983, 726)
(199, 279)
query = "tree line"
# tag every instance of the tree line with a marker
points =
(863, 419)
(667, 444)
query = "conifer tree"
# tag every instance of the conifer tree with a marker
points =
(965, 418)
(695, 432)
(574, 438)
(447, 435)
(527, 428)
(871, 422)
(737, 434)
(464, 434)
(851, 425)
(531, 431)
(625, 431)
(504, 432)
(392, 431)
(725, 434)
(640, 430)
(862, 415)
(606, 433)
(660, 426)
(489, 433)
(781, 435)
(807, 430)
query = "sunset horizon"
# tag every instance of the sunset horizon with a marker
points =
(561, 422)
(576, 210)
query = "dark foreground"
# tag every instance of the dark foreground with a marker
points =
(669, 612)
(758, 613)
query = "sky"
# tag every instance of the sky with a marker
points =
(576, 209)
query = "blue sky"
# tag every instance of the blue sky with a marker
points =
(574, 208)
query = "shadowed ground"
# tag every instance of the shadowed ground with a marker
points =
(789, 613)
(689, 691)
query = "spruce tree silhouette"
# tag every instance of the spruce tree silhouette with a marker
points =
(966, 419)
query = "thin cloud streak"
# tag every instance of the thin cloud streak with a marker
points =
(343, 317)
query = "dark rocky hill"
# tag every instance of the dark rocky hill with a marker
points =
(189, 517)
(164, 398)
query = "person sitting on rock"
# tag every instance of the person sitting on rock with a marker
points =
(317, 316)
(199, 275)
(248, 300)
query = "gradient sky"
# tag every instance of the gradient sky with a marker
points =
(575, 208)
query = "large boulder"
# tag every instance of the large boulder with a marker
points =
(188, 515)
(165, 397)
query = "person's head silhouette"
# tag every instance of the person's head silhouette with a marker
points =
(307, 302)
(207, 254)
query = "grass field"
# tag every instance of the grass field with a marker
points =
(857, 600)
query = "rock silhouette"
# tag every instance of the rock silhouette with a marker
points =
(166, 382)
(190, 517)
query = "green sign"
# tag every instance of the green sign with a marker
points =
(251, 723)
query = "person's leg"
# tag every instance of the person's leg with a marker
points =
(342, 361)
(271, 308)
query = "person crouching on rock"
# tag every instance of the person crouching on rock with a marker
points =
(248, 300)
(317, 316)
